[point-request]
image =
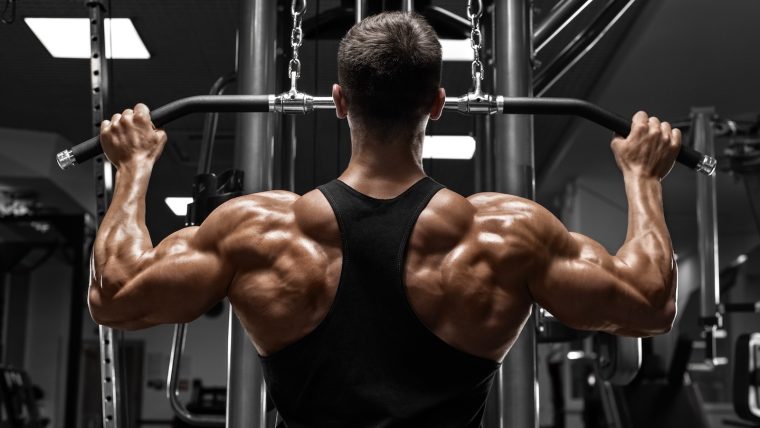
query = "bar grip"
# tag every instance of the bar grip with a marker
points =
(198, 104)
(570, 106)
(265, 103)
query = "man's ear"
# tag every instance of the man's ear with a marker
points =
(341, 106)
(437, 108)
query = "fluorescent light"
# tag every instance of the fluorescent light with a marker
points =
(70, 37)
(178, 205)
(448, 147)
(456, 50)
(575, 355)
(126, 43)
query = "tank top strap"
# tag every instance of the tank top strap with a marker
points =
(381, 226)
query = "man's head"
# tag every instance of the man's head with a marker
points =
(389, 69)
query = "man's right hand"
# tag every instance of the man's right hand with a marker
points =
(131, 138)
(650, 149)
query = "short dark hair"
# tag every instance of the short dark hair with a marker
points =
(389, 69)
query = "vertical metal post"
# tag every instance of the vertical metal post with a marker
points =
(78, 296)
(707, 234)
(361, 10)
(516, 382)
(407, 5)
(483, 158)
(99, 85)
(257, 36)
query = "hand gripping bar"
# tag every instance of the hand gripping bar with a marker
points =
(82, 152)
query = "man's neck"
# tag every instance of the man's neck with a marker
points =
(384, 169)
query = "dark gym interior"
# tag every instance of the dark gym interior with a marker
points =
(691, 62)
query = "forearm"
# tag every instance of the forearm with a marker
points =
(647, 251)
(123, 237)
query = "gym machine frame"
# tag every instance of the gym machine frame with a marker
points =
(109, 340)
(517, 129)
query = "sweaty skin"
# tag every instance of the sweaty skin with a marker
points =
(475, 265)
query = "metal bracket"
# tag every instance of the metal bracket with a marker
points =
(294, 102)
(476, 103)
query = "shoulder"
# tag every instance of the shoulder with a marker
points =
(272, 206)
(444, 222)
(503, 210)
(516, 223)
(249, 215)
(314, 218)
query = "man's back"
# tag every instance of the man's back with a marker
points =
(369, 362)
(464, 269)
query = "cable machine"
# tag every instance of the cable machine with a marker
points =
(516, 387)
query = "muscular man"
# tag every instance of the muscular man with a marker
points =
(382, 299)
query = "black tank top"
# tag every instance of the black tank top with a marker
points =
(371, 362)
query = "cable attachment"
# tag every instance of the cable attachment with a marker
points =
(476, 38)
(294, 102)
(297, 10)
(477, 102)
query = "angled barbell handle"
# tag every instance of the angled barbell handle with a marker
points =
(198, 104)
(264, 103)
(704, 164)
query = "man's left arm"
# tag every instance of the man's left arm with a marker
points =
(132, 283)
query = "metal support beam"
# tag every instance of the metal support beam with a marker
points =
(361, 10)
(560, 15)
(257, 35)
(516, 382)
(110, 381)
(707, 235)
(81, 245)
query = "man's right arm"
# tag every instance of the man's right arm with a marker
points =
(632, 292)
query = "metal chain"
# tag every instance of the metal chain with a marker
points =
(296, 39)
(476, 38)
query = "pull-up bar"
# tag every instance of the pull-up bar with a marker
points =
(303, 103)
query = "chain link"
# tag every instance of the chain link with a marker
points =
(474, 14)
(297, 10)
(476, 38)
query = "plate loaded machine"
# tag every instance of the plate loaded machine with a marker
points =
(516, 127)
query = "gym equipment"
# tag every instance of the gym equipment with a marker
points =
(703, 138)
(109, 339)
(207, 195)
(252, 146)
(618, 358)
(470, 103)
(747, 377)
(18, 406)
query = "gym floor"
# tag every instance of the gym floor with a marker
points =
(666, 57)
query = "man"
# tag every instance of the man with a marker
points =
(382, 299)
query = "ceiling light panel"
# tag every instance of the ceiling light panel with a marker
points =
(448, 147)
(70, 37)
(456, 50)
